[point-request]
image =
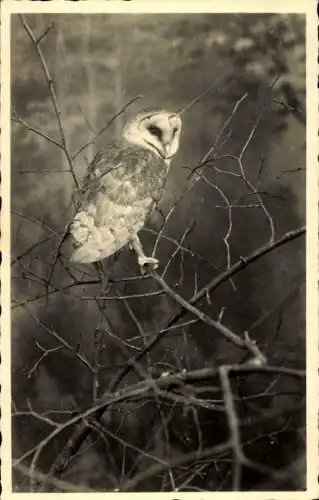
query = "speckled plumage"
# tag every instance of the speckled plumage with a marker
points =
(123, 184)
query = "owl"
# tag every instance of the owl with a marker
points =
(122, 186)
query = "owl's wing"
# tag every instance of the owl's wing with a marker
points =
(111, 210)
(103, 162)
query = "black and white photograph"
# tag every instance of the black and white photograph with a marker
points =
(158, 173)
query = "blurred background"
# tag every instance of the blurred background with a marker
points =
(99, 65)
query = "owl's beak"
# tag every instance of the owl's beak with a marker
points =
(167, 150)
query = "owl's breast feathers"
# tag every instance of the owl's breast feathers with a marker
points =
(119, 191)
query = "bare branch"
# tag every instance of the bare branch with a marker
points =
(196, 456)
(46, 353)
(44, 34)
(234, 427)
(243, 262)
(226, 332)
(61, 340)
(140, 390)
(212, 285)
(203, 94)
(31, 128)
(56, 483)
(223, 128)
(54, 100)
(108, 124)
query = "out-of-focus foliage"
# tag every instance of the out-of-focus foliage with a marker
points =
(99, 63)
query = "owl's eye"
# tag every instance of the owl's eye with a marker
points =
(155, 131)
(174, 130)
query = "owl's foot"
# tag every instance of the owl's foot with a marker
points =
(141, 257)
(143, 260)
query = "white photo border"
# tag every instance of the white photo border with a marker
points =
(138, 6)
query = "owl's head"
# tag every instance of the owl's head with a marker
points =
(157, 131)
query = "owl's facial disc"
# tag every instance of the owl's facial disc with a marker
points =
(163, 133)
(158, 132)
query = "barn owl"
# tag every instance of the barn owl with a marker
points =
(122, 186)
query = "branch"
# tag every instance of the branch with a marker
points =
(61, 340)
(226, 332)
(247, 181)
(44, 34)
(223, 128)
(36, 222)
(46, 353)
(54, 100)
(212, 285)
(142, 389)
(203, 94)
(107, 125)
(29, 250)
(57, 483)
(241, 264)
(195, 456)
(55, 290)
(234, 427)
(31, 128)
(34, 414)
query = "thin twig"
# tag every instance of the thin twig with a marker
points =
(194, 456)
(212, 285)
(35, 130)
(56, 483)
(46, 353)
(243, 262)
(61, 340)
(44, 34)
(106, 126)
(54, 100)
(234, 427)
(203, 94)
(139, 390)
(226, 332)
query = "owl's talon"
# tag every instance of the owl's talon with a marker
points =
(151, 261)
